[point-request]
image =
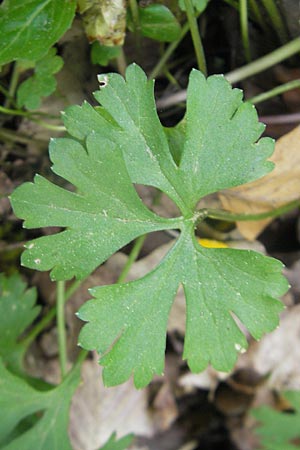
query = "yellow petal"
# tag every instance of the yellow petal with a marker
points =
(212, 243)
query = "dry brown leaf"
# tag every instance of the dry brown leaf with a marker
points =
(277, 355)
(97, 412)
(279, 187)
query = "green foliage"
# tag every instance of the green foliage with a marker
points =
(29, 28)
(42, 83)
(199, 5)
(159, 23)
(120, 444)
(19, 401)
(101, 54)
(125, 143)
(280, 430)
(17, 312)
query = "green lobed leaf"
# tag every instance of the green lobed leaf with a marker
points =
(122, 143)
(42, 83)
(18, 401)
(221, 149)
(279, 430)
(217, 284)
(120, 444)
(159, 23)
(102, 216)
(29, 28)
(17, 312)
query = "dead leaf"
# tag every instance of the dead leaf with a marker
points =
(279, 187)
(278, 353)
(164, 407)
(98, 411)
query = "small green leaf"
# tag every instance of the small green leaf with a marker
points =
(101, 54)
(199, 5)
(18, 401)
(17, 312)
(29, 28)
(42, 83)
(120, 444)
(159, 23)
(280, 430)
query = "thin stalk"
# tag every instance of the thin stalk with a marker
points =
(61, 328)
(5, 92)
(275, 91)
(232, 217)
(244, 72)
(265, 62)
(168, 52)
(134, 8)
(244, 28)
(41, 325)
(80, 358)
(13, 85)
(233, 3)
(14, 112)
(10, 136)
(257, 17)
(171, 78)
(135, 251)
(276, 19)
(29, 116)
(121, 62)
(196, 38)
(48, 125)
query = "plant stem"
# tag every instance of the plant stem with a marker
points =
(257, 17)
(39, 327)
(138, 244)
(168, 52)
(13, 85)
(275, 91)
(10, 136)
(244, 28)
(232, 217)
(276, 19)
(265, 62)
(29, 116)
(80, 358)
(61, 328)
(240, 74)
(134, 8)
(196, 38)
(121, 62)
(5, 92)
(15, 112)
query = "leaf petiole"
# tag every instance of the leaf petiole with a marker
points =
(295, 84)
(232, 217)
(195, 36)
(61, 328)
(137, 246)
